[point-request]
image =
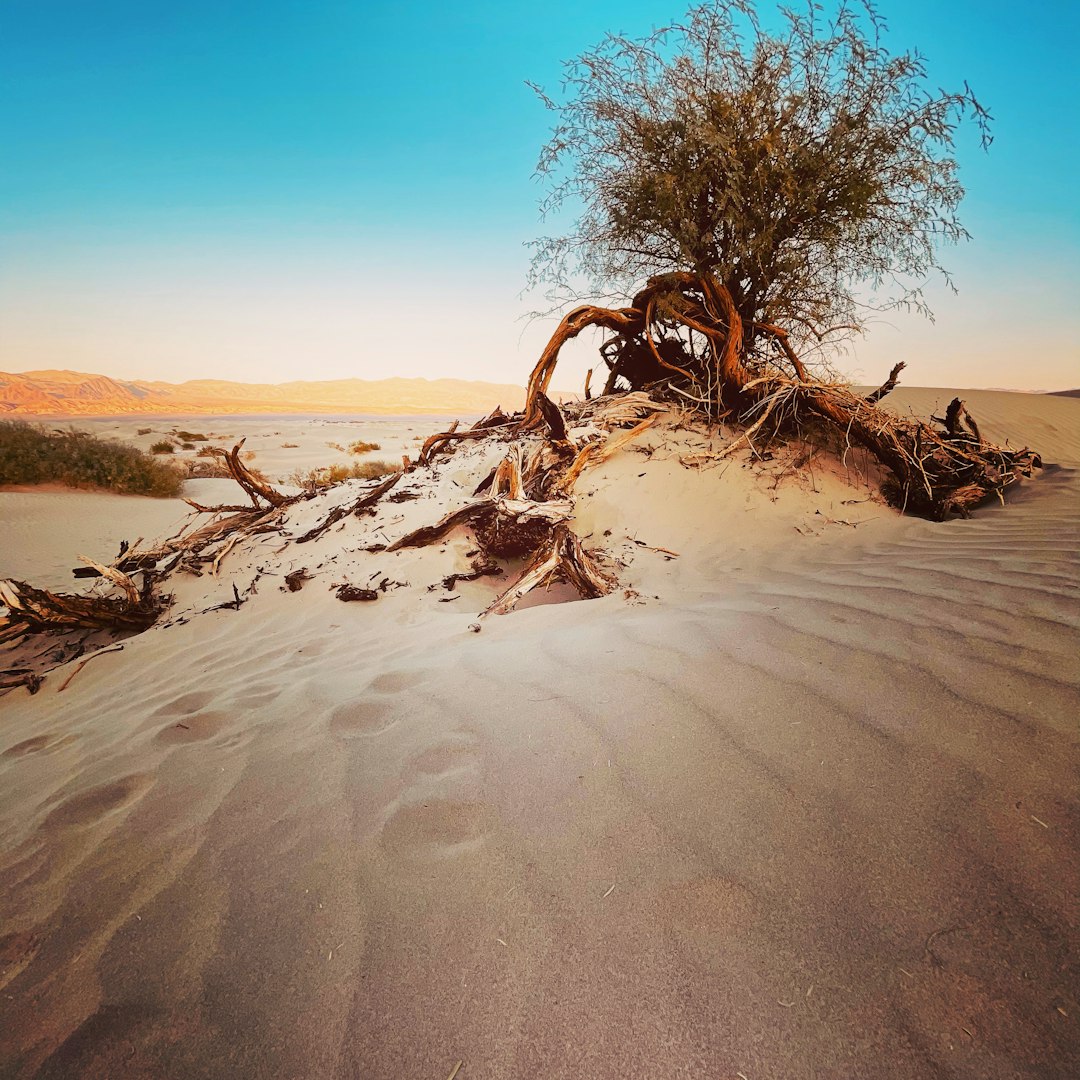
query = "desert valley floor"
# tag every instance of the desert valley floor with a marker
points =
(799, 802)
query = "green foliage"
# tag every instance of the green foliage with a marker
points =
(336, 474)
(361, 447)
(31, 455)
(162, 447)
(807, 168)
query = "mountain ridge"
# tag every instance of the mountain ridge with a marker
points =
(63, 393)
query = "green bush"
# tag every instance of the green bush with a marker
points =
(31, 455)
(162, 448)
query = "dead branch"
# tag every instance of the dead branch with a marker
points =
(101, 652)
(40, 609)
(481, 567)
(253, 486)
(552, 417)
(430, 534)
(888, 385)
(369, 498)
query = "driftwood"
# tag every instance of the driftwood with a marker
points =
(93, 656)
(561, 558)
(254, 487)
(39, 609)
(294, 582)
(526, 505)
(353, 592)
(368, 499)
(482, 566)
(21, 677)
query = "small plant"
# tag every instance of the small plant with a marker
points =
(162, 447)
(205, 451)
(190, 436)
(336, 474)
(187, 446)
(337, 446)
(144, 430)
(361, 447)
(372, 470)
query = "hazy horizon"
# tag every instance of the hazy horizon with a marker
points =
(289, 192)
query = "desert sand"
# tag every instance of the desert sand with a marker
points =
(801, 801)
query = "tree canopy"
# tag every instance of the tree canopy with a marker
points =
(804, 168)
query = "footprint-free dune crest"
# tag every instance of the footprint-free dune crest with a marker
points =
(798, 797)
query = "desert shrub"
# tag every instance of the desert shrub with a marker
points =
(162, 447)
(187, 446)
(337, 446)
(189, 436)
(361, 447)
(336, 474)
(31, 455)
(372, 470)
(144, 431)
(205, 451)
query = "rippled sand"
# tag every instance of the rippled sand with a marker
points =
(806, 807)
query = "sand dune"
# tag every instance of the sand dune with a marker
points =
(799, 802)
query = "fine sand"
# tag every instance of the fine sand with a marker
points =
(799, 802)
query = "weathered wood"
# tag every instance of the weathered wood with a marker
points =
(40, 609)
(339, 513)
(352, 592)
(562, 558)
(888, 385)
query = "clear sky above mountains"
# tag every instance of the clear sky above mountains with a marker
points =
(282, 189)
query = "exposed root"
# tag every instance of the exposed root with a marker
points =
(560, 559)
(750, 369)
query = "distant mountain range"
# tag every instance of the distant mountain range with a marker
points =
(76, 393)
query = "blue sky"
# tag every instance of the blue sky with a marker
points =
(283, 189)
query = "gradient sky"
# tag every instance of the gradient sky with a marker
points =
(288, 189)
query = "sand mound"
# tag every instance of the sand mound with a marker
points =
(799, 799)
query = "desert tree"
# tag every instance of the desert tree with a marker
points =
(788, 175)
(755, 193)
